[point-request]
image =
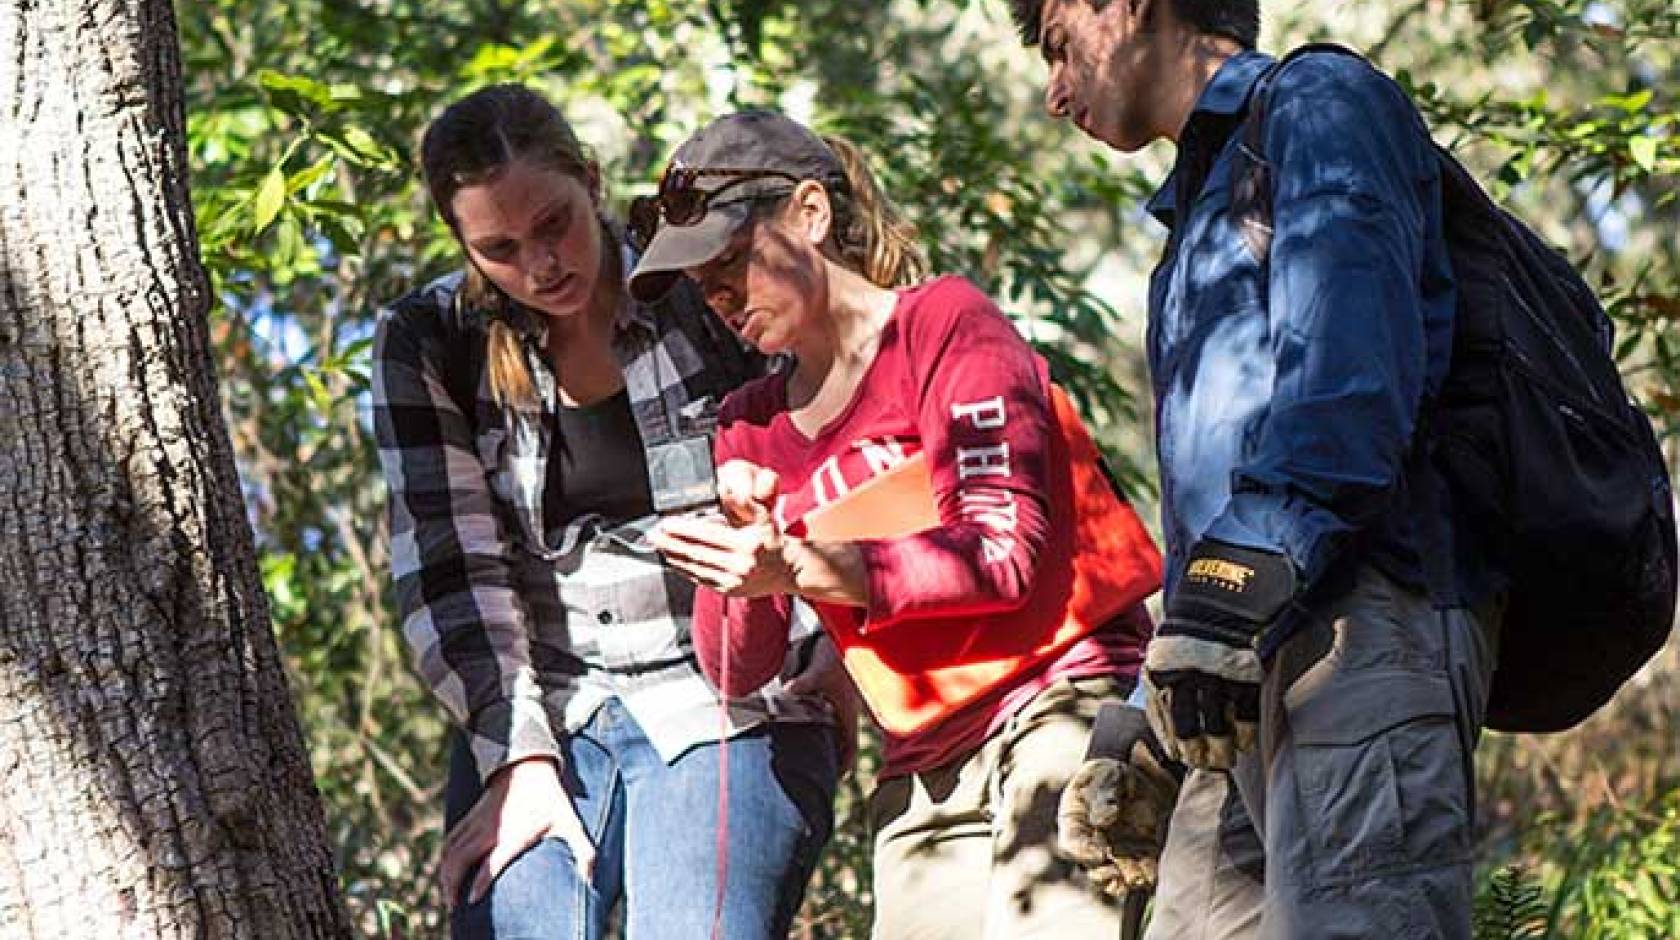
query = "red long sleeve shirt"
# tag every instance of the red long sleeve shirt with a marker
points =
(951, 377)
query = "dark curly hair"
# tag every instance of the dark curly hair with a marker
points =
(1238, 20)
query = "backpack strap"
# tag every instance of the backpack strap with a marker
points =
(1259, 102)
(1251, 189)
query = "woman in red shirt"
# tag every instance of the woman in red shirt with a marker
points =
(800, 254)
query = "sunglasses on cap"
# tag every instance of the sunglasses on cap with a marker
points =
(679, 202)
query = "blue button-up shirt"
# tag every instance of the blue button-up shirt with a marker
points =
(1287, 392)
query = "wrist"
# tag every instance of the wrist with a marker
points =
(796, 560)
(1208, 624)
(536, 765)
(1233, 585)
(826, 571)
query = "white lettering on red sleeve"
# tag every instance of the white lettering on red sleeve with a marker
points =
(996, 508)
(989, 461)
(985, 415)
(998, 512)
(993, 510)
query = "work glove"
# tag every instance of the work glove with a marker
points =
(1202, 671)
(1112, 818)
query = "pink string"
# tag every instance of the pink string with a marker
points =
(722, 872)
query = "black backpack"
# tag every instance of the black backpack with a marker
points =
(1554, 470)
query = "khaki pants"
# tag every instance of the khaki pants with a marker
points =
(1354, 817)
(966, 851)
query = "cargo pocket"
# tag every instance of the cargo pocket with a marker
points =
(1380, 781)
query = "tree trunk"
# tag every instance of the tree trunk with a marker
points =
(153, 779)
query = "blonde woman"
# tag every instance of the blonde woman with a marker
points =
(793, 245)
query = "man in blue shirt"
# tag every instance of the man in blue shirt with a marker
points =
(1319, 664)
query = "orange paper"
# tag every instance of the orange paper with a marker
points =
(894, 503)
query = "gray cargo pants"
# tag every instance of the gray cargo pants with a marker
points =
(1353, 819)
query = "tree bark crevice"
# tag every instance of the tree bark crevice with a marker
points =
(154, 781)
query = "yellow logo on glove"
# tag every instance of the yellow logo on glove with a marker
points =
(1220, 573)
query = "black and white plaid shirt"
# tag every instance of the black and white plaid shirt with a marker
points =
(518, 630)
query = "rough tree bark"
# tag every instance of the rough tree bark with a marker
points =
(153, 779)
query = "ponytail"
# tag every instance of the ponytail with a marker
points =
(504, 355)
(510, 376)
(871, 235)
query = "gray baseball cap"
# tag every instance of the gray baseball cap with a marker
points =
(741, 158)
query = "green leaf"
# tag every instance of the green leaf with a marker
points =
(309, 176)
(348, 93)
(344, 233)
(290, 88)
(319, 395)
(358, 146)
(491, 59)
(1626, 346)
(337, 209)
(357, 351)
(271, 195)
(1644, 152)
(1629, 103)
(278, 573)
(362, 141)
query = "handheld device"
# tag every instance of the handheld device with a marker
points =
(681, 474)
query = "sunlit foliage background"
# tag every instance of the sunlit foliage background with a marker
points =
(304, 118)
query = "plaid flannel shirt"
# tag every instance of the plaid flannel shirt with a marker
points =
(518, 630)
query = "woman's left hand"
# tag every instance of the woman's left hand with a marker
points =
(745, 561)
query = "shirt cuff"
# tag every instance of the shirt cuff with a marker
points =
(509, 731)
(880, 573)
(1305, 538)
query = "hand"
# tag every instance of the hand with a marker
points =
(1203, 674)
(743, 489)
(524, 803)
(1203, 697)
(1113, 815)
(736, 560)
(826, 676)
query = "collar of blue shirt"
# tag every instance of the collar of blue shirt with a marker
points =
(1225, 95)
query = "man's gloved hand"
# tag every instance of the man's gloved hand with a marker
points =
(1203, 673)
(1112, 819)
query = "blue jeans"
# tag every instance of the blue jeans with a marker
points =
(655, 830)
